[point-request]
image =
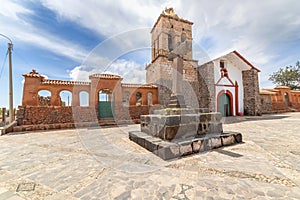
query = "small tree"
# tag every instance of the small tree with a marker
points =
(290, 76)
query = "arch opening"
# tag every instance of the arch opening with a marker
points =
(44, 98)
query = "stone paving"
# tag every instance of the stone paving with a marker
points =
(102, 163)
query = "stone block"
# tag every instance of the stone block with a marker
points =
(141, 138)
(202, 128)
(172, 120)
(185, 147)
(168, 151)
(196, 145)
(203, 118)
(152, 143)
(238, 138)
(215, 128)
(170, 132)
(228, 140)
(205, 145)
(188, 118)
(146, 129)
(133, 135)
(17, 129)
(214, 142)
(218, 117)
(186, 130)
(155, 119)
(202, 110)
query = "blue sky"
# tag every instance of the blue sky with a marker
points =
(70, 39)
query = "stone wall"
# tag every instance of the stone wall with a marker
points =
(131, 112)
(206, 86)
(251, 92)
(33, 115)
(266, 104)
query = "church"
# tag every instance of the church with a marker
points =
(228, 84)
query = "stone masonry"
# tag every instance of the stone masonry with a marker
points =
(168, 31)
(173, 133)
(251, 93)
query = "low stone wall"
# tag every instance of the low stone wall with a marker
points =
(36, 115)
(33, 115)
(296, 106)
(266, 104)
(134, 112)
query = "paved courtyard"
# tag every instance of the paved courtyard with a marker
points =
(102, 163)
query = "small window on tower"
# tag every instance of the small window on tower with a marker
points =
(222, 64)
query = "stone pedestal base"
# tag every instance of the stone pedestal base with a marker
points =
(181, 125)
(175, 132)
(178, 148)
(177, 101)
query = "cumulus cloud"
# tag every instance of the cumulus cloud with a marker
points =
(130, 71)
(263, 31)
(18, 29)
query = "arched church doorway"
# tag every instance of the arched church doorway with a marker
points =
(225, 104)
(106, 104)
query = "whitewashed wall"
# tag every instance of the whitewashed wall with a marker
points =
(235, 74)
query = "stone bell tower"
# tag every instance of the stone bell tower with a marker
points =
(168, 31)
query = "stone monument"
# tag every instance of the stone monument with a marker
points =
(179, 130)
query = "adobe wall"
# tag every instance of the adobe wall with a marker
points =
(251, 92)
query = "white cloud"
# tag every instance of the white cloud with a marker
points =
(130, 71)
(107, 17)
(20, 30)
(11, 9)
(261, 30)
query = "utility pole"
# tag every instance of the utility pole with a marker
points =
(11, 105)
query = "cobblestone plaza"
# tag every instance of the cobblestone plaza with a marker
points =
(102, 163)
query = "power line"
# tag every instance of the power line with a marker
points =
(3, 63)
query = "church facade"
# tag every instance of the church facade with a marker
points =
(228, 84)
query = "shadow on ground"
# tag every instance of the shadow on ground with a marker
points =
(239, 119)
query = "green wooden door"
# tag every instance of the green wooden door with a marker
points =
(224, 105)
(106, 109)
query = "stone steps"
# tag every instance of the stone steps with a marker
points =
(107, 122)
(178, 148)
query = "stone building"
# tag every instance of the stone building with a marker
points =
(228, 84)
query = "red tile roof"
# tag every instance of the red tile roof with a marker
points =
(105, 76)
(60, 82)
(132, 85)
(245, 60)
